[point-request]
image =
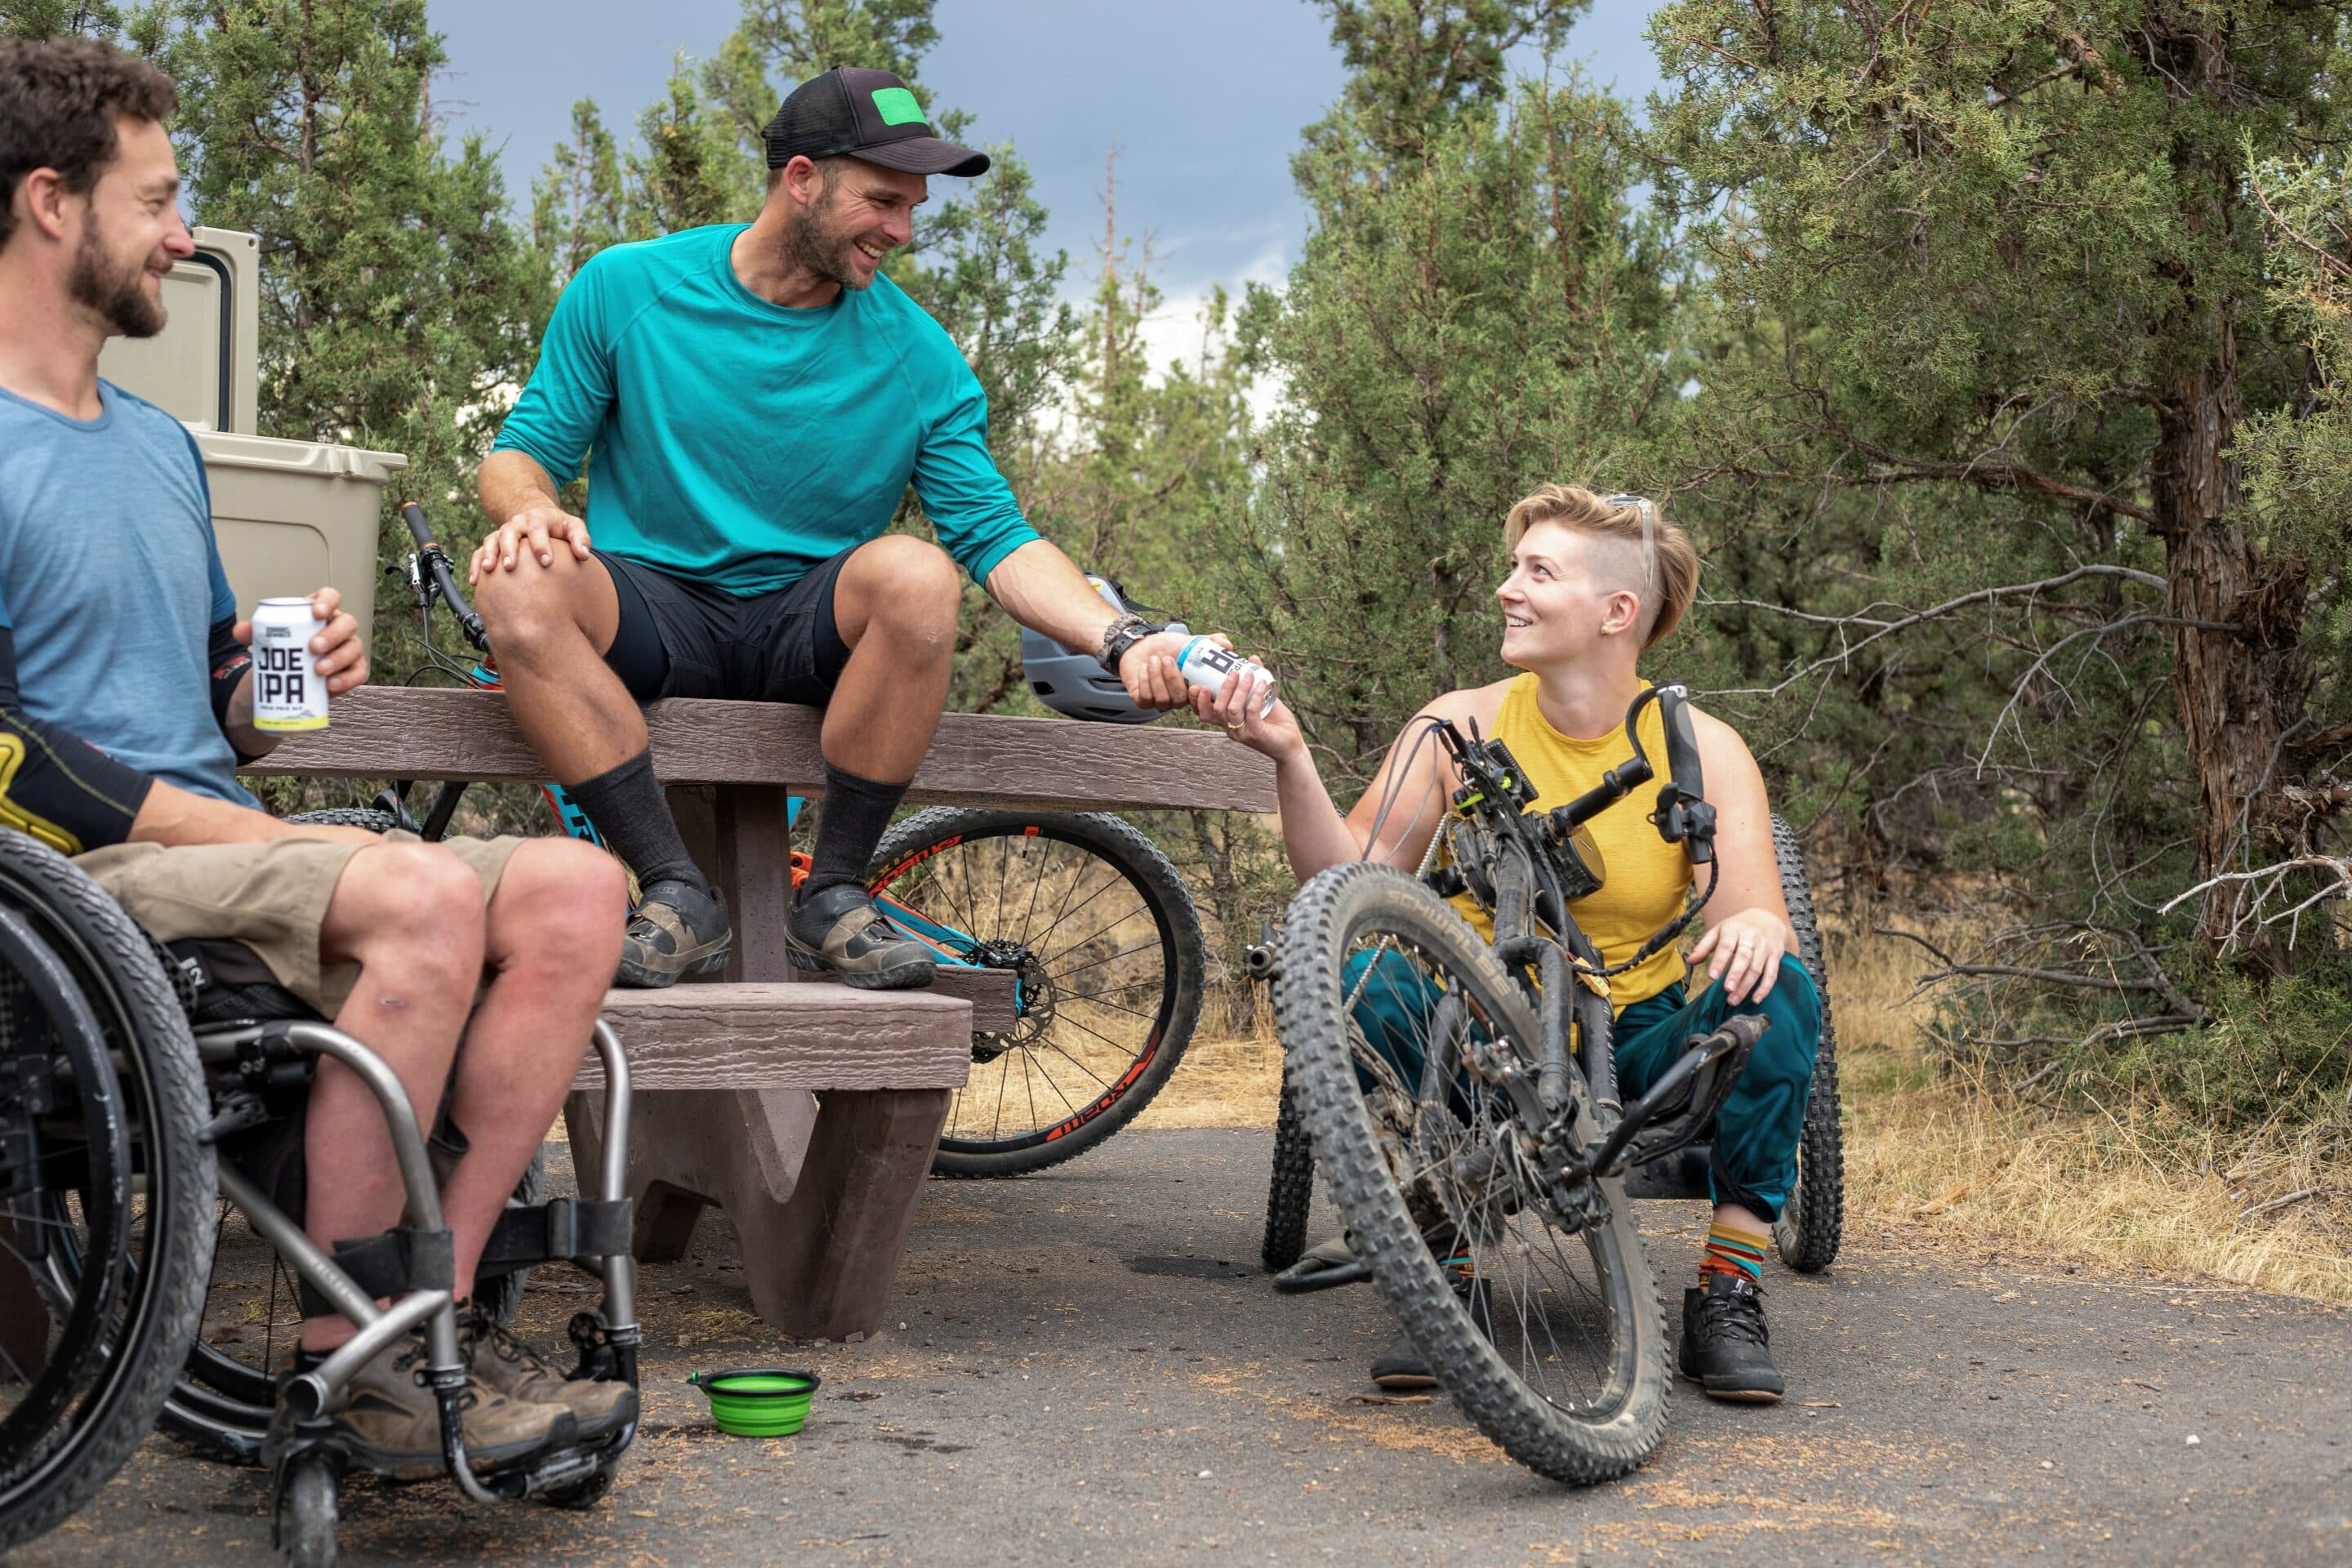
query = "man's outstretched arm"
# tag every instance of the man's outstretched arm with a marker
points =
(1042, 588)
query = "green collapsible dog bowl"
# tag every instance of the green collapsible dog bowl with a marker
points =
(757, 1401)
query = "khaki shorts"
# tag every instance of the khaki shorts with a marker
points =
(272, 897)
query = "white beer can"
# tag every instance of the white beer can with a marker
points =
(1204, 664)
(288, 692)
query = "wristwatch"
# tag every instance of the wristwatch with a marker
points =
(1121, 634)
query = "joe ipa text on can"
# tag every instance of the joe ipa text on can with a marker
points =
(1204, 664)
(289, 693)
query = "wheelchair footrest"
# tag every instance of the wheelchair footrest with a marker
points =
(557, 1231)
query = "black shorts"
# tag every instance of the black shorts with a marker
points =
(678, 639)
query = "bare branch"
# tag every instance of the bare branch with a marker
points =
(1882, 629)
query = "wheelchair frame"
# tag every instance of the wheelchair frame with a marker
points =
(607, 1349)
(237, 1057)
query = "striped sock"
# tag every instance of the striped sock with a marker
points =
(1731, 1250)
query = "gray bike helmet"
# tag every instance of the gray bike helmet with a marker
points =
(1072, 681)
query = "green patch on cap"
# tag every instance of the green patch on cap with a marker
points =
(897, 106)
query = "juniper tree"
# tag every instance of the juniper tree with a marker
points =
(1477, 309)
(1992, 276)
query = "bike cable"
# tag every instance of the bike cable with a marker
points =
(1395, 786)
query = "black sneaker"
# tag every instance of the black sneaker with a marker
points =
(1401, 1370)
(837, 932)
(677, 929)
(1725, 1348)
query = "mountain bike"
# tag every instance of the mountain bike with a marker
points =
(1091, 918)
(1462, 1100)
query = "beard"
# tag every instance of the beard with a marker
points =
(115, 292)
(823, 244)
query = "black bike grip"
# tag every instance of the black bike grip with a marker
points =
(1681, 745)
(418, 529)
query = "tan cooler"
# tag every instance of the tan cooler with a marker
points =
(292, 516)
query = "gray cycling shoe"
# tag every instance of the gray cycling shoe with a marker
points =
(837, 932)
(677, 929)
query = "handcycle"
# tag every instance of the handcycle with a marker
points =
(128, 1075)
(1462, 1100)
(1091, 918)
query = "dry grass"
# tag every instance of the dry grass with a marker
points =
(1233, 1080)
(2121, 1185)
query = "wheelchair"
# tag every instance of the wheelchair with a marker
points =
(131, 1076)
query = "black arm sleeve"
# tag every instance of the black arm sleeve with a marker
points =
(229, 660)
(55, 785)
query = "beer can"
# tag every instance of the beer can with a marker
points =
(288, 692)
(1205, 664)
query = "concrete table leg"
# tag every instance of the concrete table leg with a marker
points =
(822, 1189)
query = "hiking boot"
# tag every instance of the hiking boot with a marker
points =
(677, 929)
(837, 932)
(1401, 1370)
(504, 1364)
(1725, 1348)
(391, 1423)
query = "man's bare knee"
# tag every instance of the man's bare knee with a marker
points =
(563, 902)
(411, 910)
(911, 587)
(533, 610)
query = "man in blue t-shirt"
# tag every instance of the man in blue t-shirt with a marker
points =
(753, 403)
(126, 700)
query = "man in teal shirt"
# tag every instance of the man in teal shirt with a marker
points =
(752, 401)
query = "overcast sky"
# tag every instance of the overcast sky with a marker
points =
(1204, 101)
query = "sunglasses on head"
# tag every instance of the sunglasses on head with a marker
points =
(1649, 511)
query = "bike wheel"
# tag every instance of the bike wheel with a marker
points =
(366, 816)
(100, 1100)
(1290, 1189)
(1813, 1221)
(1399, 1025)
(1097, 928)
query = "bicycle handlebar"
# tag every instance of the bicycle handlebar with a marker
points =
(433, 561)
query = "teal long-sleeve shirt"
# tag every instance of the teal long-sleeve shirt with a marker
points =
(739, 443)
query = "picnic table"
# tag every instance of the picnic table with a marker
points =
(809, 1111)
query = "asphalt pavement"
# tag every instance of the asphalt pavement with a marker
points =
(1087, 1367)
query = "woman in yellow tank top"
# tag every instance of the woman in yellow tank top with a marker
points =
(1594, 582)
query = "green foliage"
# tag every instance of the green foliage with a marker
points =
(1987, 307)
(60, 18)
(397, 298)
(686, 171)
(578, 203)
(1477, 310)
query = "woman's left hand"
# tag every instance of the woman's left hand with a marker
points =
(1745, 950)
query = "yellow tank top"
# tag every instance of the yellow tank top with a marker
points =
(1644, 880)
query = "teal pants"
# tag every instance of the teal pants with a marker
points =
(1756, 1132)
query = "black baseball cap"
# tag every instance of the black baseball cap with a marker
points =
(866, 114)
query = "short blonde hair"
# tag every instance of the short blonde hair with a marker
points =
(1669, 559)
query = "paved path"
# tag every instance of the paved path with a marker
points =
(1092, 1371)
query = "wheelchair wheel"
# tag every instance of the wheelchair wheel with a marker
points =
(1813, 1219)
(1400, 1029)
(108, 1194)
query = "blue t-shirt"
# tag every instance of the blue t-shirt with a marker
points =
(110, 583)
(738, 443)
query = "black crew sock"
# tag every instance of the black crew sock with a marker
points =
(306, 1360)
(856, 812)
(626, 805)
